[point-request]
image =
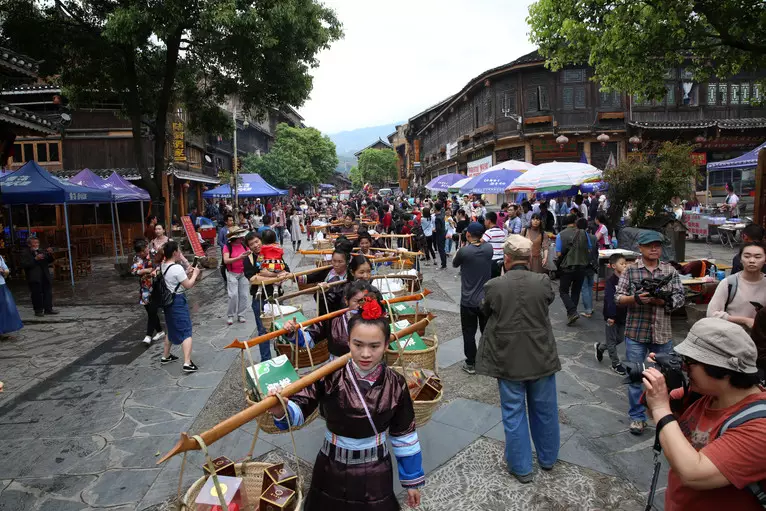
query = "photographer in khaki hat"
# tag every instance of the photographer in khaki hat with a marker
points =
(518, 348)
(716, 444)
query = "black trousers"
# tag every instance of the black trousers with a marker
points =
(439, 241)
(42, 295)
(570, 285)
(429, 251)
(153, 324)
(470, 319)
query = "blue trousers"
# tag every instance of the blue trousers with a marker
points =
(264, 347)
(587, 292)
(637, 352)
(539, 397)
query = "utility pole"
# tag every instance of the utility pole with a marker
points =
(236, 164)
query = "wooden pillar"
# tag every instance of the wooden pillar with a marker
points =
(166, 196)
(528, 152)
(586, 150)
(199, 199)
(759, 214)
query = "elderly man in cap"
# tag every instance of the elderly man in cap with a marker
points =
(475, 262)
(714, 442)
(647, 327)
(518, 348)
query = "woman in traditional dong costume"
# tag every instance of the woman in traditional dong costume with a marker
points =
(362, 403)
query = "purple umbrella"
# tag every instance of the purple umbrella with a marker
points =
(491, 181)
(442, 183)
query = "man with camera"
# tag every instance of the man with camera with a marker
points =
(651, 289)
(714, 440)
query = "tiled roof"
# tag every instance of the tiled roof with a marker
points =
(30, 89)
(19, 63)
(731, 124)
(20, 117)
(378, 141)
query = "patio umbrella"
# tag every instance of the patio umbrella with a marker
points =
(512, 165)
(443, 183)
(455, 187)
(555, 176)
(491, 181)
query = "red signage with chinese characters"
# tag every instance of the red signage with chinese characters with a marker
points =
(191, 234)
(699, 158)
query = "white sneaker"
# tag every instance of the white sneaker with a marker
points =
(158, 336)
(147, 340)
(229, 321)
(242, 320)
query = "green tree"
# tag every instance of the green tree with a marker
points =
(299, 156)
(671, 174)
(377, 166)
(355, 175)
(152, 56)
(631, 43)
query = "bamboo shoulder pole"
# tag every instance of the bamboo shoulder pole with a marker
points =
(222, 429)
(330, 315)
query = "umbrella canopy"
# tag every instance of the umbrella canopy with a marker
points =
(554, 176)
(253, 185)
(32, 184)
(455, 187)
(749, 159)
(443, 183)
(491, 181)
(511, 165)
(124, 187)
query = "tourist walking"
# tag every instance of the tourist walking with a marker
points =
(35, 263)
(144, 268)
(440, 233)
(540, 244)
(177, 315)
(279, 222)
(647, 326)
(427, 224)
(10, 321)
(237, 286)
(518, 348)
(735, 295)
(614, 315)
(475, 263)
(572, 249)
(591, 268)
(296, 228)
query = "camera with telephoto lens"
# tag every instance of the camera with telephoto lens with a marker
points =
(669, 364)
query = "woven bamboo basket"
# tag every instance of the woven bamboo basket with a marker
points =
(266, 420)
(414, 318)
(251, 473)
(322, 262)
(425, 409)
(383, 287)
(319, 353)
(268, 319)
(422, 358)
(323, 244)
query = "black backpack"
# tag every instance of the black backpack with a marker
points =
(162, 296)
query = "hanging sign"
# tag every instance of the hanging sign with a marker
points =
(179, 146)
(699, 158)
(191, 234)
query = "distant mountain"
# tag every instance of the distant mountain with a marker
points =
(349, 142)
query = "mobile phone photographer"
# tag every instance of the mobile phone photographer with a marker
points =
(714, 442)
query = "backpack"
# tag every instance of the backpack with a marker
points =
(754, 410)
(162, 296)
(731, 282)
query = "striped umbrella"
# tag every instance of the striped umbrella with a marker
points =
(555, 176)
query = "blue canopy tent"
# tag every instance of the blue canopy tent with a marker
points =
(747, 160)
(125, 191)
(88, 178)
(252, 185)
(32, 184)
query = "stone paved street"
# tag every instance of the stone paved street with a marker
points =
(87, 409)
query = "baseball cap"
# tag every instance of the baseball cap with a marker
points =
(720, 343)
(517, 246)
(475, 229)
(646, 237)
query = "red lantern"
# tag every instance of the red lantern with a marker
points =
(186, 186)
(562, 140)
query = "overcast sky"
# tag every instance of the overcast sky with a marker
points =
(398, 57)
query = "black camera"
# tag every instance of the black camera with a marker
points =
(669, 364)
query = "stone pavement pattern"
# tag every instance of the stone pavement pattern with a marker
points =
(86, 416)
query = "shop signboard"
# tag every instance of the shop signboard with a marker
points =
(476, 167)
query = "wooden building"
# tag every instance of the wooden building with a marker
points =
(378, 144)
(525, 112)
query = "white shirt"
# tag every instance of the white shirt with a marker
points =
(174, 275)
(496, 237)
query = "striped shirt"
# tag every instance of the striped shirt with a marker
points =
(495, 237)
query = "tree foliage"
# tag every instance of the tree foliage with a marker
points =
(377, 166)
(355, 175)
(151, 56)
(631, 43)
(647, 186)
(299, 156)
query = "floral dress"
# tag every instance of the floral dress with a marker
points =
(139, 263)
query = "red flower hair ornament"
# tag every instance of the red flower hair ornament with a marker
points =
(371, 308)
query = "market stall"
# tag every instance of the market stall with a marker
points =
(555, 176)
(252, 185)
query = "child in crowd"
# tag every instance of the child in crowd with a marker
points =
(615, 316)
(271, 256)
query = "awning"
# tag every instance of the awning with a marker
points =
(749, 159)
(195, 176)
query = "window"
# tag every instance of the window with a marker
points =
(756, 95)
(567, 98)
(712, 89)
(537, 99)
(43, 152)
(744, 93)
(734, 94)
(532, 104)
(508, 103)
(542, 93)
(53, 152)
(475, 116)
(574, 75)
(670, 95)
(722, 93)
(610, 99)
